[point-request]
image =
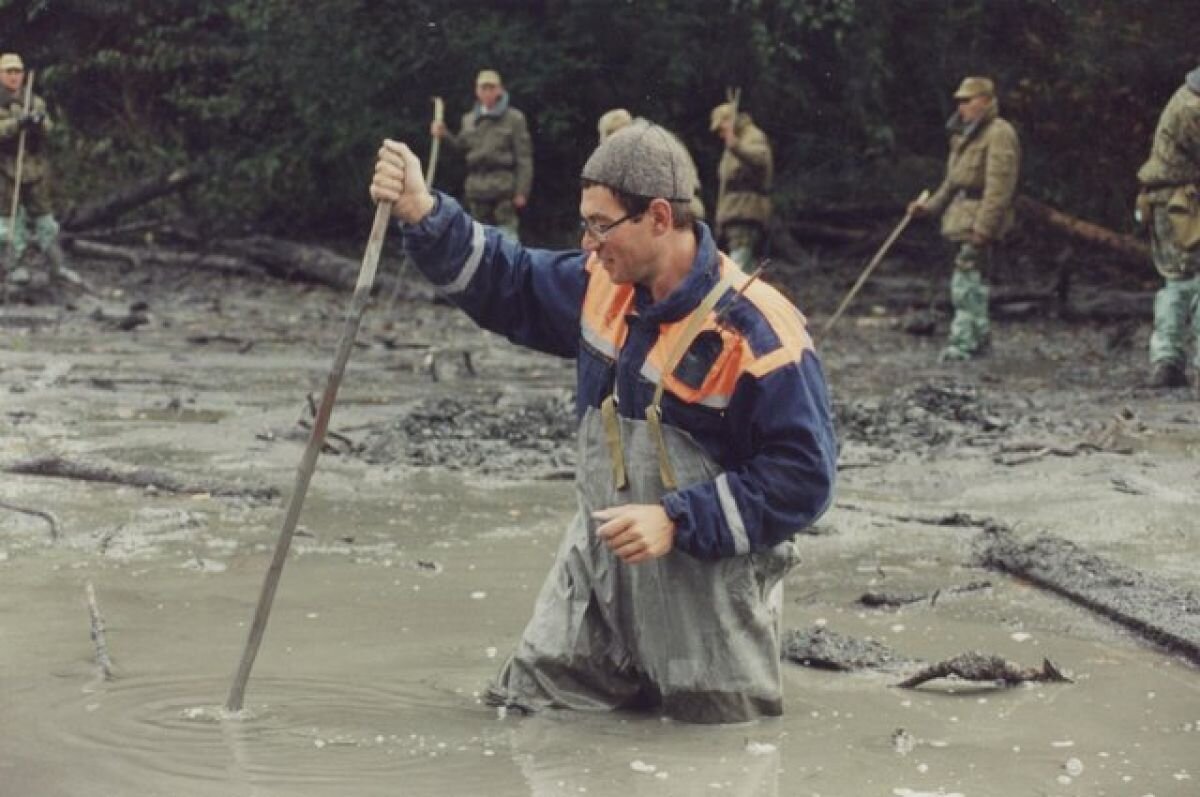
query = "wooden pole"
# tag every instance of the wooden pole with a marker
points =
(308, 463)
(16, 196)
(866, 273)
(733, 97)
(439, 116)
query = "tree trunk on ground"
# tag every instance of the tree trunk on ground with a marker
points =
(1125, 245)
(108, 208)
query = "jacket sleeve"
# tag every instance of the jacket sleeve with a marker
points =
(785, 477)
(941, 197)
(522, 154)
(753, 150)
(1000, 181)
(9, 127)
(531, 296)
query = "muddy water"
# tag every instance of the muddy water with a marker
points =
(407, 586)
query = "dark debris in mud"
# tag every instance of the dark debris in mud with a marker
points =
(828, 650)
(488, 432)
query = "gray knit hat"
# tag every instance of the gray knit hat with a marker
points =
(646, 160)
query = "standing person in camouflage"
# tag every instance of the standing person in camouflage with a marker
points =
(35, 170)
(495, 138)
(1170, 204)
(975, 201)
(746, 170)
(618, 119)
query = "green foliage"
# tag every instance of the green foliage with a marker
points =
(286, 101)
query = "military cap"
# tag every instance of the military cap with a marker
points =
(487, 77)
(973, 87)
(11, 61)
(643, 159)
(612, 121)
(721, 114)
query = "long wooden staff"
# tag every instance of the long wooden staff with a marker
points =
(16, 197)
(866, 272)
(733, 97)
(439, 116)
(435, 146)
(362, 294)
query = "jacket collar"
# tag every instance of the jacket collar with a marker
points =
(704, 274)
(1193, 80)
(497, 110)
(956, 127)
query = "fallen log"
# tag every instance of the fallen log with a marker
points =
(106, 209)
(1165, 615)
(290, 260)
(1125, 245)
(55, 466)
(136, 256)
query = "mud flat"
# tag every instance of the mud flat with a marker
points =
(436, 510)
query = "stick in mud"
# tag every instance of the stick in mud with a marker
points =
(308, 463)
(103, 660)
(46, 516)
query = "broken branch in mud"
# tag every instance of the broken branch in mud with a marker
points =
(46, 516)
(1021, 452)
(55, 466)
(976, 666)
(103, 660)
(1163, 614)
(893, 599)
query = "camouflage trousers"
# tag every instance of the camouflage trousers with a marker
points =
(497, 212)
(742, 240)
(33, 199)
(1177, 303)
(970, 328)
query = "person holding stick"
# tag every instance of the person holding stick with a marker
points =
(33, 167)
(1169, 204)
(745, 173)
(975, 201)
(494, 137)
(706, 439)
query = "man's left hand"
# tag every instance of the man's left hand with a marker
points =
(519, 201)
(636, 532)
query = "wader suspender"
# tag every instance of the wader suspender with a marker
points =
(608, 408)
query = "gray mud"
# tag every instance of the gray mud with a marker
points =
(437, 508)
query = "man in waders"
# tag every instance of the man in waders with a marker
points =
(975, 201)
(1169, 204)
(705, 435)
(35, 172)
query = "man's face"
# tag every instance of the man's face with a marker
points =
(488, 94)
(12, 78)
(625, 250)
(971, 109)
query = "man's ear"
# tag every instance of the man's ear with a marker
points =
(661, 214)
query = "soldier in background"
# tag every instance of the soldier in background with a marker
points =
(975, 201)
(618, 119)
(1169, 204)
(746, 170)
(35, 171)
(494, 137)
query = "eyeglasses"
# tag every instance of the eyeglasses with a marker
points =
(599, 232)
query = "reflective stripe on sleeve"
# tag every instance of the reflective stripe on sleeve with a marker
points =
(729, 508)
(469, 268)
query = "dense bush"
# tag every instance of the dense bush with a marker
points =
(285, 101)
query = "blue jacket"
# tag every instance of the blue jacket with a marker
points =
(750, 390)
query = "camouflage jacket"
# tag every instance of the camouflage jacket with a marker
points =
(981, 178)
(34, 166)
(498, 150)
(746, 171)
(1175, 152)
